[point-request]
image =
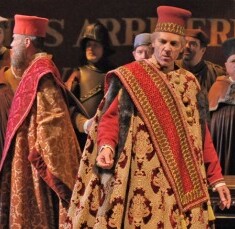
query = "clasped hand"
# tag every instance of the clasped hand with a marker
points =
(105, 159)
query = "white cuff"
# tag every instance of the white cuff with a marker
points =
(106, 146)
(85, 126)
(218, 185)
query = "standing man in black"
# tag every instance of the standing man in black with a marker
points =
(192, 60)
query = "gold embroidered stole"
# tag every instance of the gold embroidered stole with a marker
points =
(163, 117)
(25, 95)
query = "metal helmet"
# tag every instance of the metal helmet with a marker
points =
(97, 32)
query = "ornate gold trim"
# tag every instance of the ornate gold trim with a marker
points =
(170, 27)
(197, 192)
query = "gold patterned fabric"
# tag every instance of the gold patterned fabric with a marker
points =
(169, 122)
(170, 28)
(103, 201)
(38, 173)
(138, 193)
(6, 95)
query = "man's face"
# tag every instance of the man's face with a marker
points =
(143, 52)
(193, 52)
(94, 51)
(230, 66)
(18, 51)
(167, 47)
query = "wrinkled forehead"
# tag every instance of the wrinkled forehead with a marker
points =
(169, 36)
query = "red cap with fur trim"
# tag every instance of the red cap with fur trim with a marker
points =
(30, 25)
(172, 19)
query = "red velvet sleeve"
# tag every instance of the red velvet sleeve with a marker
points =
(213, 168)
(108, 129)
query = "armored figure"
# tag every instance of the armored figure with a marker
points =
(87, 82)
(88, 87)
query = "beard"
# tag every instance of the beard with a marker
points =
(189, 56)
(18, 57)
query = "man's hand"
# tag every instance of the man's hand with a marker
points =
(105, 159)
(225, 197)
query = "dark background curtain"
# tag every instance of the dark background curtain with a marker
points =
(124, 19)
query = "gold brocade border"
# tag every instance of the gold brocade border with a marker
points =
(160, 140)
(170, 27)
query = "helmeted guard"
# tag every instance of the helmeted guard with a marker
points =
(87, 82)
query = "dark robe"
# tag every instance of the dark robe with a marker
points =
(222, 126)
(206, 72)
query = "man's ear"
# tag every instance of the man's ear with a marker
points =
(203, 50)
(27, 42)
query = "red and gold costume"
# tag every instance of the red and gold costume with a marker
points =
(152, 120)
(41, 153)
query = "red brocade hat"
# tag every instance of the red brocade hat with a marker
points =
(172, 19)
(30, 25)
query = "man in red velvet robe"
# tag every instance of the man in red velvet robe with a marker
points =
(41, 153)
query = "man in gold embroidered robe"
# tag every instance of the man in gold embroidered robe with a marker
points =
(149, 155)
(41, 153)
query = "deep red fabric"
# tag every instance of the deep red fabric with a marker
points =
(211, 160)
(54, 182)
(27, 95)
(30, 25)
(170, 14)
(108, 130)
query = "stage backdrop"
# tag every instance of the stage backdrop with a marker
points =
(124, 19)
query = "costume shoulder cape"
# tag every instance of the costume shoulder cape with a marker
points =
(25, 96)
(158, 106)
